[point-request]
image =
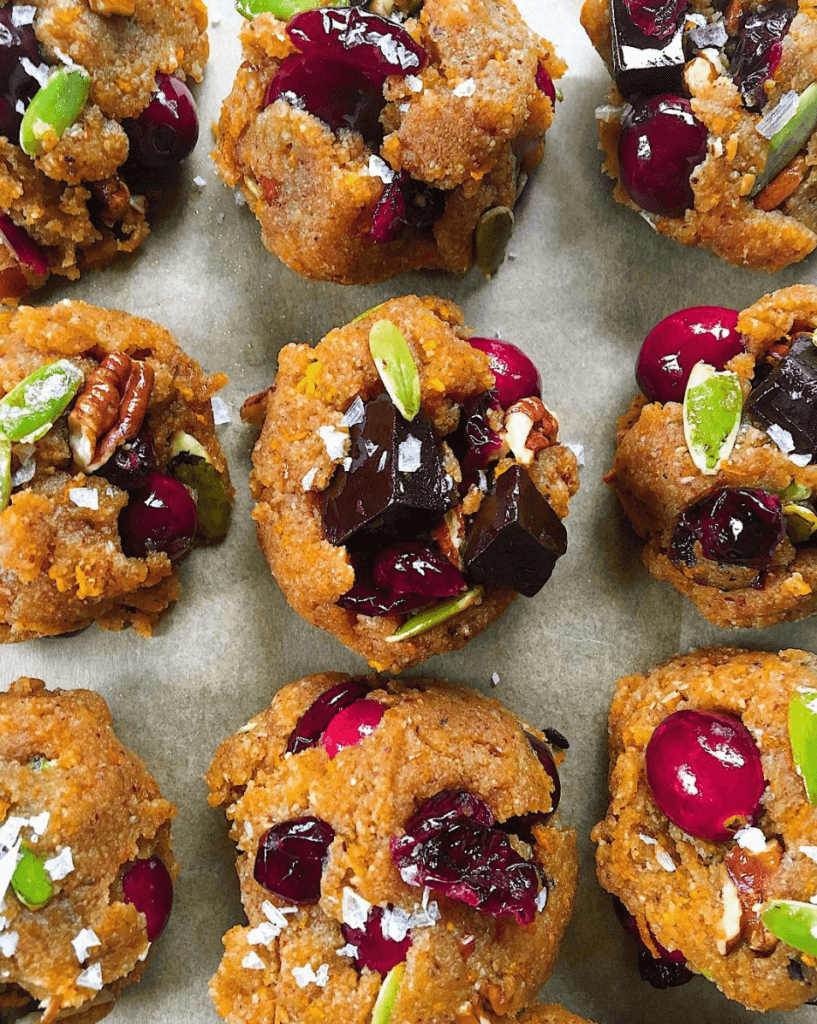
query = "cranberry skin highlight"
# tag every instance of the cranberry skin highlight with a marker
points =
(147, 885)
(166, 131)
(160, 516)
(657, 153)
(413, 568)
(681, 340)
(735, 526)
(313, 722)
(704, 770)
(516, 376)
(375, 950)
(351, 726)
(290, 858)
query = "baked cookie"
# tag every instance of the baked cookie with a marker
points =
(371, 140)
(86, 865)
(409, 482)
(109, 469)
(94, 113)
(550, 1014)
(398, 854)
(716, 460)
(709, 131)
(708, 839)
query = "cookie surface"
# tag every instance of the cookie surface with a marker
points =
(77, 540)
(306, 449)
(78, 198)
(85, 808)
(432, 146)
(299, 959)
(731, 209)
(700, 897)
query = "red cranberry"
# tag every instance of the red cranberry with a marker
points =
(475, 442)
(374, 949)
(313, 722)
(413, 568)
(451, 845)
(338, 95)
(658, 151)
(168, 128)
(656, 18)
(545, 83)
(516, 376)
(365, 598)
(372, 44)
(351, 726)
(735, 526)
(18, 43)
(290, 859)
(131, 463)
(405, 204)
(160, 516)
(148, 886)
(705, 773)
(24, 249)
(669, 970)
(681, 340)
(758, 50)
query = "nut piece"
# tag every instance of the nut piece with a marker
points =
(529, 428)
(109, 410)
(114, 195)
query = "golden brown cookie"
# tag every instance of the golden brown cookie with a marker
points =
(331, 435)
(550, 1014)
(110, 436)
(709, 820)
(343, 796)
(89, 833)
(73, 196)
(355, 179)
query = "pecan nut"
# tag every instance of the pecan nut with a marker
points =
(530, 427)
(109, 410)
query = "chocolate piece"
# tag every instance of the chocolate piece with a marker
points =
(375, 493)
(785, 403)
(645, 65)
(516, 537)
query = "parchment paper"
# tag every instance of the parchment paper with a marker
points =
(588, 280)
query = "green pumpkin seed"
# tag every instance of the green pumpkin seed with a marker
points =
(54, 107)
(493, 233)
(793, 922)
(396, 367)
(440, 612)
(785, 144)
(283, 9)
(712, 409)
(363, 316)
(32, 408)
(5, 472)
(31, 882)
(796, 492)
(40, 763)
(387, 996)
(801, 521)
(190, 465)
(803, 738)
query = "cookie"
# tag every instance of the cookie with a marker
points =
(109, 469)
(709, 131)
(708, 836)
(373, 140)
(406, 531)
(397, 848)
(94, 116)
(716, 459)
(85, 856)
(550, 1014)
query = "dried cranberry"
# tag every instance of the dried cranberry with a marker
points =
(681, 340)
(313, 722)
(515, 375)
(290, 859)
(24, 249)
(656, 18)
(451, 846)
(375, 950)
(166, 131)
(412, 568)
(147, 885)
(19, 53)
(366, 598)
(658, 151)
(660, 973)
(351, 726)
(735, 526)
(131, 463)
(160, 516)
(335, 93)
(475, 441)
(705, 773)
(372, 44)
(545, 83)
(405, 204)
(758, 51)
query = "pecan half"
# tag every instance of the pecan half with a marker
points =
(753, 875)
(113, 195)
(109, 410)
(529, 428)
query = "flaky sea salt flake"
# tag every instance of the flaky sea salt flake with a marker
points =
(253, 962)
(465, 89)
(61, 865)
(83, 941)
(91, 978)
(84, 497)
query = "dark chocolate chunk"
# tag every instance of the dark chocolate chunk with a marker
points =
(515, 537)
(785, 403)
(375, 493)
(646, 65)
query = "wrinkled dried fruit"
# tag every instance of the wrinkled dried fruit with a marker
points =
(758, 50)
(735, 526)
(290, 858)
(313, 722)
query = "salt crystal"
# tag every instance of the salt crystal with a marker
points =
(779, 116)
(354, 909)
(239, 198)
(22, 15)
(83, 941)
(354, 414)
(751, 839)
(305, 975)
(10, 830)
(647, 839)
(39, 72)
(309, 478)
(781, 437)
(275, 915)
(84, 497)
(253, 962)
(414, 83)
(378, 168)
(578, 451)
(709, 35)
(335, 441)
(221, 411)
(809, 851)
(8, 865)
(24, 473)
(91, 978)
(665, 860)
(542, 898)
(263, 934)
(466, 88)
(39, 823)
(408, 455)
(61, 865)
(348, 950)
(494, 679)
(199, 181)
(8, 943)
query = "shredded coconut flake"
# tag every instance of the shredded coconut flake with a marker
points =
(84, 497)
(335, 441)
(466, 88)
(8, 943)
(221, 411)
(779, 116)
(61, 865)
(91, 978)
(409, 455)
(751, 839)
(253, 962)
(83, 941)
(305, 975)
